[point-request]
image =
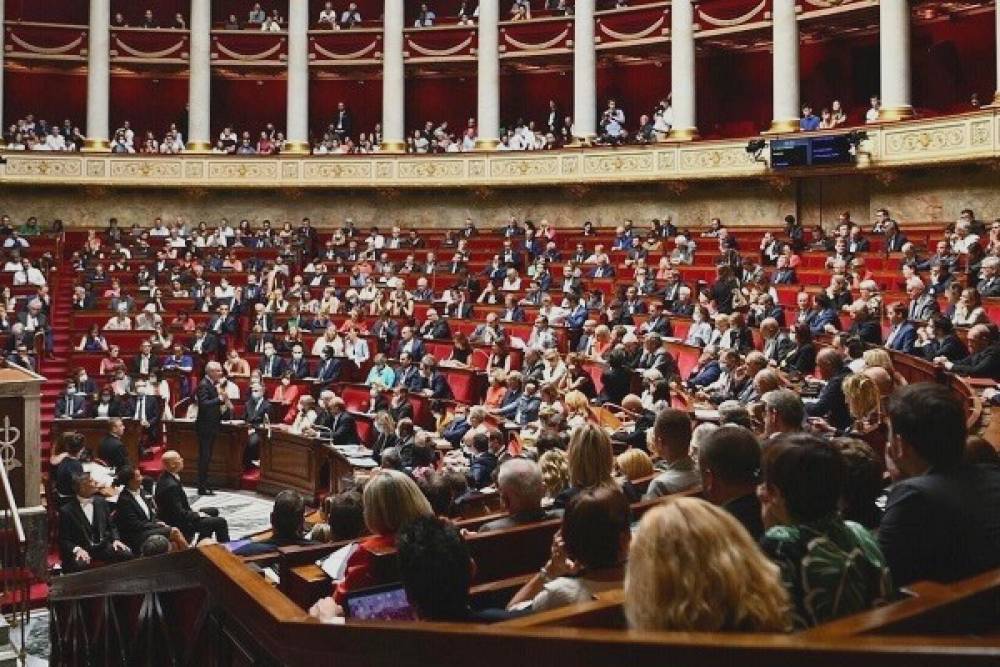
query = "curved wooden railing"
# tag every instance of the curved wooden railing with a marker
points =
(204, 606)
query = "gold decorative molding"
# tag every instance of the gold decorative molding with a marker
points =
(962, 138)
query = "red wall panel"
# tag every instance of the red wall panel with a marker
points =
(54, 96)
(451, 99)
(221, 9)
(163, 11)
(734, 93)
(363, 99)
(51, 11)
(149, 104)
(248, 104)
(951, 60)
(526, 95)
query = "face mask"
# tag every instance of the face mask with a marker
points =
(150, 390)
(297, 355)
(105, 398)
(70, 390)
(257, 393)
(791, 336)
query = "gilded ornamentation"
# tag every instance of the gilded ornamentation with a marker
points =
(47, 168)
(383, 170)
(477, 168)
(337, 170)
(194, 169)
(524, 167)
(247, 170)
(429, 168)
(933, 139)
(618, 163)
(570, 165)
(96, 169)
(147, 169)
(980, 131)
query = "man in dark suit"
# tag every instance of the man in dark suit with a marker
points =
(602, 270)
(70, 404)
(211, 401)
(524, 408)
(256, 415)
(204, 344)
(984, 362)
(989, 277)
(145, 363)
(410, 344)
(729, 460)
(112, 450)
(271, 365)
(483, 462)
(434, 383)
(135, 513)
(175, 510)
(22, 358)
(831, 404)
(343, 428)
(942, 520)
(298, 365)
(342, 122)
(902, 332)
(145, 409)
(657, 322)
(223, 324)
(86, 532)
(408, 374)
(434, 328)
(922, 302)
(512, 312)
(329, 368)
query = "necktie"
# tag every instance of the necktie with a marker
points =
(140, 408)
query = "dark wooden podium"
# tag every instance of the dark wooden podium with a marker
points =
(308, 465)
(226, 467)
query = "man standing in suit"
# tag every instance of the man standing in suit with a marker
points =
(86, 532)
(175, 509)
(145, 409)
(112, 450)
(135, 513)
(211, 398)
(257, 416)
(942, 517)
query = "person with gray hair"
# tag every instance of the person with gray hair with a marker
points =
(733, 412)
(521, 488)
(211, 398)
(783, 412)
(155, 545)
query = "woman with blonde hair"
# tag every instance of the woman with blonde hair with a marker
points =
(591, 463)
(602, 342)
(634, 464)
(577, 409)
(864, 401)
(390, 500)
(555, 473)
(877, 356)
(693, 567)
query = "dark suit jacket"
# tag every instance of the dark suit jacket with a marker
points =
(209, 407)
(271, 367)
(256, 410)
(868, 331)
(299, 368)
(439, 386)
(65, 471)
(438, 330)
(209, 346)
(151, 409)
(779, 349)
(944, 525)
(112, 451)
(173, 506)
(77, 404)
(402, 411)
(456, 430)
(481, 469)
(133, 524)
(417, 347)
(76, 531)
(904, 340)
(951, 347)
(832, 404)
(328, 370)
(226, 327)
(345, 430)
(984, 364)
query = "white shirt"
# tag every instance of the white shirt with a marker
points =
(55, 142)
(140, 501)
(872, 115)
(30, 277)
(87, 505)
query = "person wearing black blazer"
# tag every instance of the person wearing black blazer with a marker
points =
(902, 335)
(776, 345)
(944, 342)
(204, 344)
(802, 358)
(86, 533)
(434, 327)
(984, 360)
(145, 363)
(399, 406)
(135, 513)
(343, 428)
(617, 379)
(271, 365)
(211, 402)
(175, 510)
(329, 368)
(831, 404)
(410, 344)
(256, 414)
(298, 365)
(864, 326)
(112, 450)
(408, 374)
(69, 404)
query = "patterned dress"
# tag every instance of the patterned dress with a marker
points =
(831, 568)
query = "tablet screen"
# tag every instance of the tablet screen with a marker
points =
(387, 603)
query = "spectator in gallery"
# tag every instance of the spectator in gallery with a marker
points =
(119, 21)
(809, 121)
(256, 16)
(425, 19)
(328, 16)
(874, 110)
(179, 22)
(837, 112)
(350, 17)
(232, 23)
(148, 21)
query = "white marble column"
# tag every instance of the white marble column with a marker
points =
(682, 71)
(584, 73)
(393, 78)
(199, 139)
(488, 80)
(785, 83)
(894, 59)
(297, 95)
(98, 75)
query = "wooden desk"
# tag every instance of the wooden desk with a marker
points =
(94, 430)
(290, 461)
(226, 467)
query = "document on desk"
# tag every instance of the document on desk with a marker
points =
(335, 565)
